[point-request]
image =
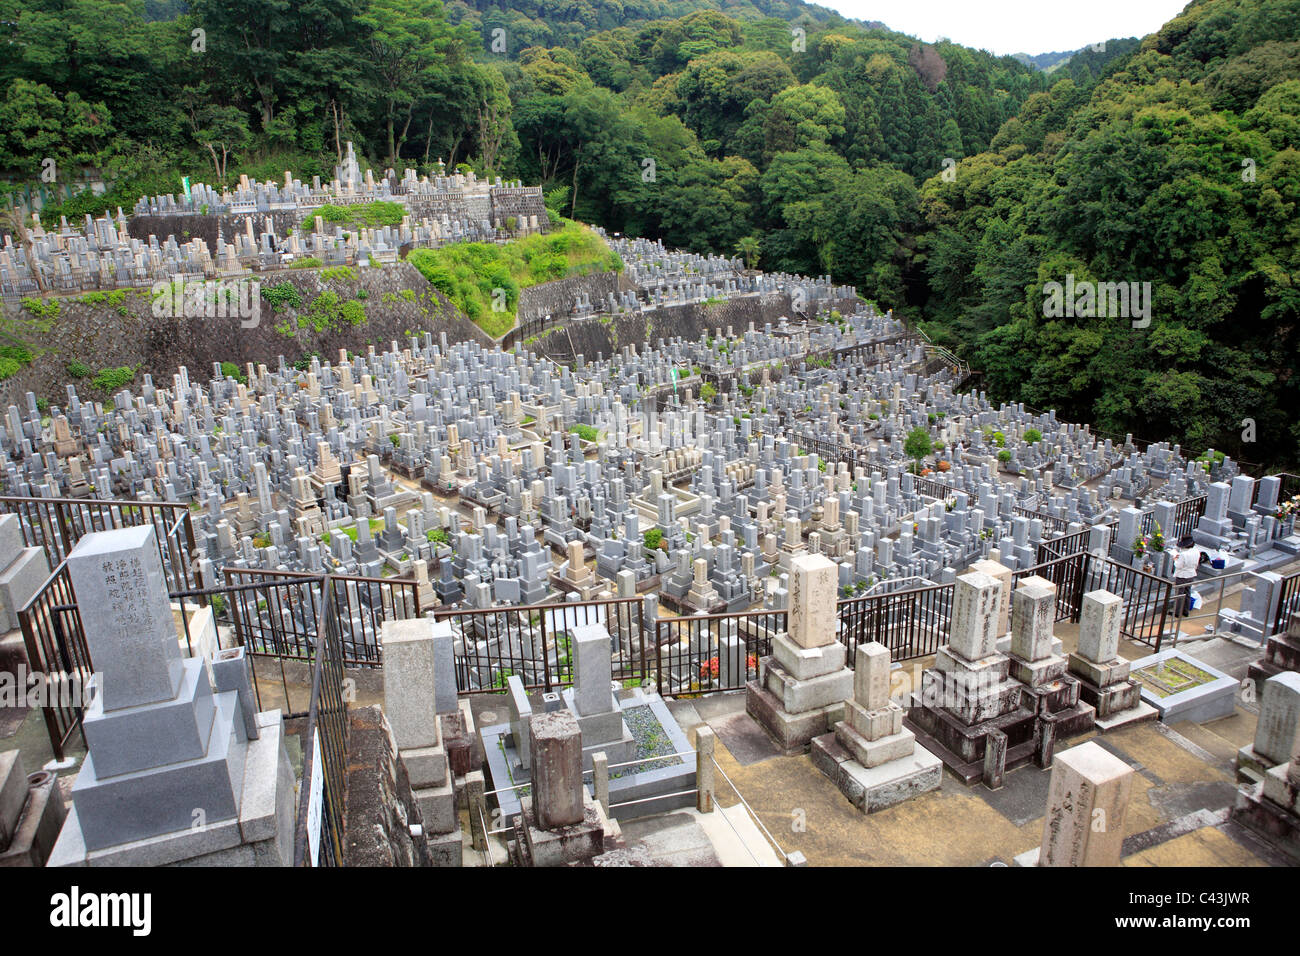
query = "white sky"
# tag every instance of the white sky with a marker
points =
(1016, 26)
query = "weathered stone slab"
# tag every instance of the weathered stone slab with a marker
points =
(1086, 805)
(131, 635)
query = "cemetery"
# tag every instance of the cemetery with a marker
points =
(692, 549)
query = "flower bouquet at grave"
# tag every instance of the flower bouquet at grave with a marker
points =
(1157, 540)
(1288, 508)
(709, 670)
(1140, 545)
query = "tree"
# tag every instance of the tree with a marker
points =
(748, 249)
(409, 47)
(219, 129)
(917, 445)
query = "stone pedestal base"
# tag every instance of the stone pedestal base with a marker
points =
(792, 733)
(875, 788)
(961, 746)
(261, 835)
(800, 692)
(1277, 824)
(1281, 654)
(1107, 688)
(577, 843)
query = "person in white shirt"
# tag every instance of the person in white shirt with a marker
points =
(1187, 558)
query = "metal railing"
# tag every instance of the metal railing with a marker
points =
(278, 619)
(705, 653)
(56, 649)
(318, 828)
(57, 524)
(911, 623)
(532, 642)
(1288, 605)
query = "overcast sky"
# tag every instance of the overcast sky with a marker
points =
(1016, 26)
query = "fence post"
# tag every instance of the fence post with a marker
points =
(1165, 587)
(1082, 588)
(546, 657)
(705, 776)
(474, 793)
(600, 779)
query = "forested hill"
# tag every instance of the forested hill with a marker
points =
(562, 23)
(1179, 169)
(941, 180)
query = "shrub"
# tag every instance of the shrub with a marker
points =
(1033, 435)
(1004, 456)
(42, 308)
(311, 262)
(12, 359)
(113, 379)
(653, 538)
(585, 432)
(231, 370)
(282, 296)
(78, 370)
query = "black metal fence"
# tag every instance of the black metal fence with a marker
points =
(1288, 605)
(318, 828)
(274, 612)
(911, 623)
(57, 524)
(56, 649)
(532, 642)
(704, 653)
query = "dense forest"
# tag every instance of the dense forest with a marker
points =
(945, 182)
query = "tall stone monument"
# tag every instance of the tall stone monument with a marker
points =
(562, 824)
(174, 773)
(1087, 802)
(968, 699)
(802, 686)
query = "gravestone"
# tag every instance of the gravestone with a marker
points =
(167, 751)
(1103, 675)
(409, 651)
(802, 686)
(1087, 802)
(871, 756)
(1277, 731)
(969, 693)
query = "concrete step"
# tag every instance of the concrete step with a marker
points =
(736, 839)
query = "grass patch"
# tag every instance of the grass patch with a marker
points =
(483, 280)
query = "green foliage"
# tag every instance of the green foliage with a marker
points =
(708, 392)
(110, 380)
(284, 295)
(338, 273)
(1032, 436)
(310, 262)
(13, 358)
(231, 370)
(77, 369)
(370, 214)
(42, 308)
(652, 538)
(585, 432)
(918, 444)
(1004, 456)
(438, 536)
(483, 280)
